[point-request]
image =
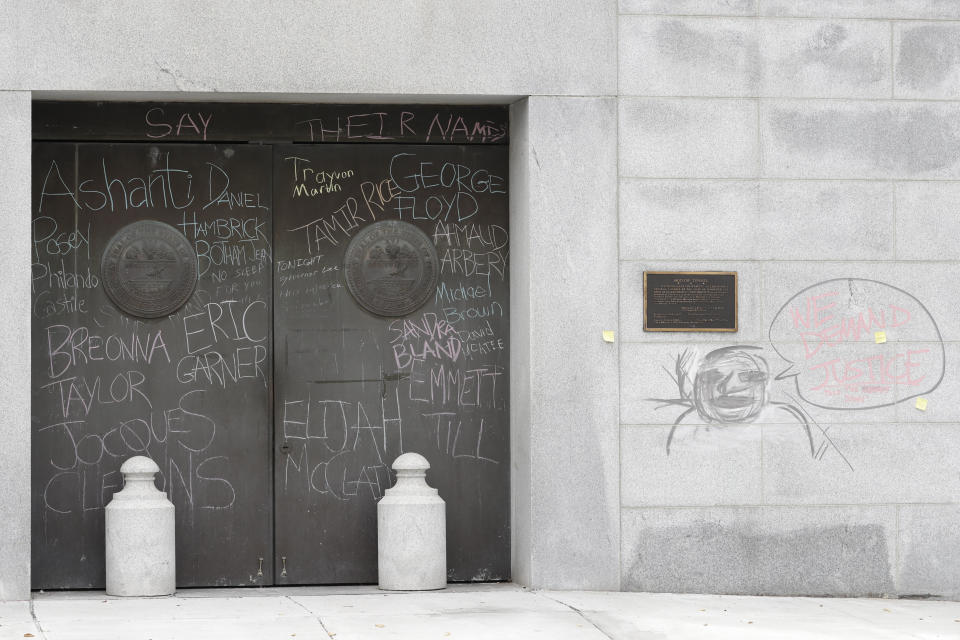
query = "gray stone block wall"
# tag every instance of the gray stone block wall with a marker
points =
(688, 138)
(15, 361)
(795, 142)
(878, 9)
(566, 432)
(323, 50)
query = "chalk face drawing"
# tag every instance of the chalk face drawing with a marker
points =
(847, 344)
(827, 334)
(729, 385)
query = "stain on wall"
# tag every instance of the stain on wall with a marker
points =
(725, 50)
(903, 140)
(928, 55)
(747, 558)
(851, 62)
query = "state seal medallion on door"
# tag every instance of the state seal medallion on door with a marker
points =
(149, 269)
(391, 268)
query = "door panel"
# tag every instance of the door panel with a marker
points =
(192, 390)
(195, 391)
(354, 390)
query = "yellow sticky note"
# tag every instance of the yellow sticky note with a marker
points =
(922, 404)
(880, 337)
(608, 336)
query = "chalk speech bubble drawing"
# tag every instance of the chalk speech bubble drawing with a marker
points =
(826, 332)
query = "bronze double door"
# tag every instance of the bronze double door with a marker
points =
(276, 398)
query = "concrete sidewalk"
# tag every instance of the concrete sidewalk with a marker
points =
(468, 611)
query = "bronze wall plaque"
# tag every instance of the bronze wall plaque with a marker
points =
(391, 268)
(689, 301)
(149, 269)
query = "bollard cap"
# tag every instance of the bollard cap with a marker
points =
(411, 462)
(411, 471)
(139, 465)
(138, 482)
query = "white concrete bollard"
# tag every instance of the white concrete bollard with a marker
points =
(141, 556)
(411, 530)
